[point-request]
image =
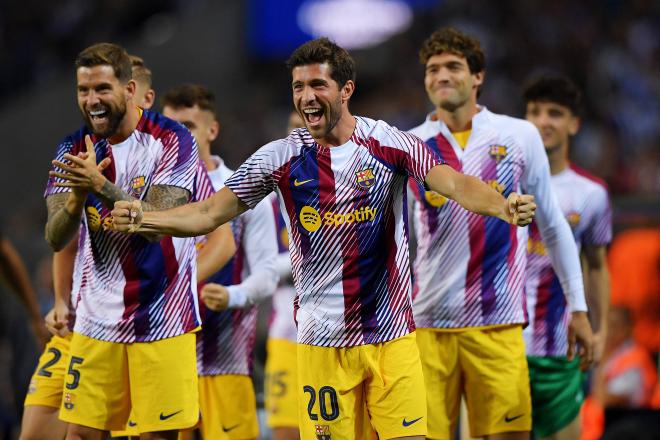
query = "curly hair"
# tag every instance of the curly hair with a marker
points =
(451, 40)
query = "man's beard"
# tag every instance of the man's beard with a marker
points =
(114, 116)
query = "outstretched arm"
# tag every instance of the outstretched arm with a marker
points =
(476, 196)
(189, 220)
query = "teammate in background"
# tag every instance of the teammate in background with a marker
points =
(42, 403)
(556, 383)
(126, 335)
(14, 273)
(341, 183)
(229, 312)
(281, 399)
(469, 271)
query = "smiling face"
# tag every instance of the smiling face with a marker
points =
(318, 98)
(449, 83)
(102, 98)
(555, 122)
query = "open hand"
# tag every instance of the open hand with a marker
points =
(81, 173)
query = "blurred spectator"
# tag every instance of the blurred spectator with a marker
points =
(629, 377)
(634, 262)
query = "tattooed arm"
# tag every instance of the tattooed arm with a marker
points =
(83, 175)
(64, 212)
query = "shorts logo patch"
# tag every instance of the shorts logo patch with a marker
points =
(508, 419)
(407, 423)
(322, 432)
(68, 400)
(165, 417)
(33, 387)
(365, 178)
(131, 423)
(230, 428)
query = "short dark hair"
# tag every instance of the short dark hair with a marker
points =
(558, 89)
(139, 70)
(451, 40)
(188, 96)
(107, 54)
(322, 50)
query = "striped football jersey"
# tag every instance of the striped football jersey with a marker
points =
(470, 269)
(344, 207)
(585, 203)
(226, 342)
(126, 288)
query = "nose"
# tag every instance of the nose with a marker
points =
(92, 98)
(308, 95)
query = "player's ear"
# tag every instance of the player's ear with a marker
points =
(130, 89)
(214, 131)
(347, 90)
(574, 125)
(149, 99)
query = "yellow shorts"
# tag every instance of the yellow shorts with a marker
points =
(346, 393)
(489, 367)
(228, 406)
(48, 379)
(281, 384)
(154, 382)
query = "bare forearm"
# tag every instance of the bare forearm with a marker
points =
(64, 214)
(194, 219)
(468, 191)
(63, 262)
(476, 196)
(598, 296)
(16, 275)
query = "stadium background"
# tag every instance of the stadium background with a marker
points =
(611, 48)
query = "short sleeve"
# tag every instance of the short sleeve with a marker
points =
(178, 162)
(64, 147)
(259, 174)
(599, 230)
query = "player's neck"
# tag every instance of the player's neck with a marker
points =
(341, 133)
(207, 158)
(127, 124)
(558, 159)
(459, 119)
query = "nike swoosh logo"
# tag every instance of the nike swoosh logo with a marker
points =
(508, 419)
(165, 417)
(230, 428)
(132, 423)
(406, 423)
(296, 183)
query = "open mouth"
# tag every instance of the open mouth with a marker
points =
(98, 115)
(313, 115)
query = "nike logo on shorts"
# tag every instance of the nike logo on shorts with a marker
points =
(406, 423)
(508, 419)
(230, 428)
(296, 183)
(131, 423)
(165, 417)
